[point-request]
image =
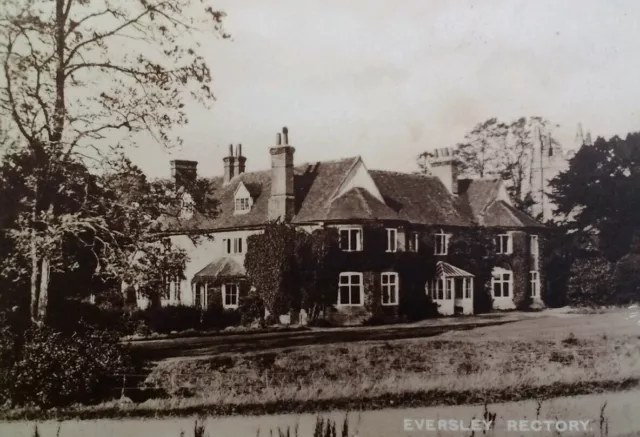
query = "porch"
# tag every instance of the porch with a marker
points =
(451, 289)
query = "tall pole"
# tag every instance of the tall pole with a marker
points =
(541, 171)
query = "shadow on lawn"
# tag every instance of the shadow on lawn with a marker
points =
(154, 350)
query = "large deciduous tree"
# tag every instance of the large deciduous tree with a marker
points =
(506, 150)
(76, 73)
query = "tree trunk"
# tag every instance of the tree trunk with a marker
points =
(35, 291)
(43, 300)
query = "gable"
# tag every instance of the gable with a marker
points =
(242, 192)
(359, 177)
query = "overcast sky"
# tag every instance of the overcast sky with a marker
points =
(388, 79)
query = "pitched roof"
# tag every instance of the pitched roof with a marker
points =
(446, 269)
(414, 198)
(221, 268)
(359, 204)
(421, 199)
(501, 214)
(479, 193)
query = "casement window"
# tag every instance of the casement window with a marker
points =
(441, 243)
(534, 278)
(533, 245)
(389, 283)
(232, 246)
(350, 289)
(242, 204)
(448, 283)
(199, 296)
(172, 288)
(414, 241)
(392, 240)
(438, 289)
(467, 284)
(504, 244)
(230, 295)
(501, 283)
(350, 239)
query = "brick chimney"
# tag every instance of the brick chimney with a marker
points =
(444, 164)
(184, 172)
(239, 161)
(229, 166)
(281, 202)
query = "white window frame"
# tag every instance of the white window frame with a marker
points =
(498, 278)
(349, 284)
(392, 240)
(392, 286)
(226, 292)
(467, 288)
(439, 286)
(500, 250)
(172, 288)
(534, 247)
(242, 205)
(534, 279)
(443, 238)
(415, 236)
(449, 284)
(358, 238)
(233, 245)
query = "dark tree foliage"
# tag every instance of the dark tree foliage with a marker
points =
(600, 193)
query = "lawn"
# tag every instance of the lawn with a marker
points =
(537, 357)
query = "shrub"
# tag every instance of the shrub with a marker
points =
(71, 315)
(164, 320)
(55, 369)
(251, 309)
(215, 317)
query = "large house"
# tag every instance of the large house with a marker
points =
(415, 209)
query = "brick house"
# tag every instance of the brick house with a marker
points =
(414, 212)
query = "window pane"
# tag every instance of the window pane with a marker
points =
(355, 295)
(505, 289)
(355, 279)
(344, 295)
(496, 289)
(344, 239)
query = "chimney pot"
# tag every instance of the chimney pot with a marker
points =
(230, 149)
(285, 136)
(279, 139)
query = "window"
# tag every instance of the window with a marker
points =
(438, 290)
(172, 287)
(351, 239)
(534, 290)
(504, 244)
(501, 283)
(441, 243)
(350, 290)
(242, 204)
(533, 244)
(392, 240)
(389, 283)
(467, 283)
(232, 246)
(414, 241)
(199, 295)
(230, 296)
(449, 287)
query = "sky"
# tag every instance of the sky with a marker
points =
(387, 79)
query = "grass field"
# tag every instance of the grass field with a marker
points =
(538, 357)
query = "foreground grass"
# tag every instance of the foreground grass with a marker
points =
(534, 359)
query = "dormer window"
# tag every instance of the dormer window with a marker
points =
(243, 204)
(243, 201)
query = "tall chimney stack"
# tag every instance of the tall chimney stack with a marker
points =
(282, 202)
(444, 164)
(229, 166)
(239, 161)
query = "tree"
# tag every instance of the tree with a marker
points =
(598, 193)
(68, 85)
(276, 264)
(496, 149)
